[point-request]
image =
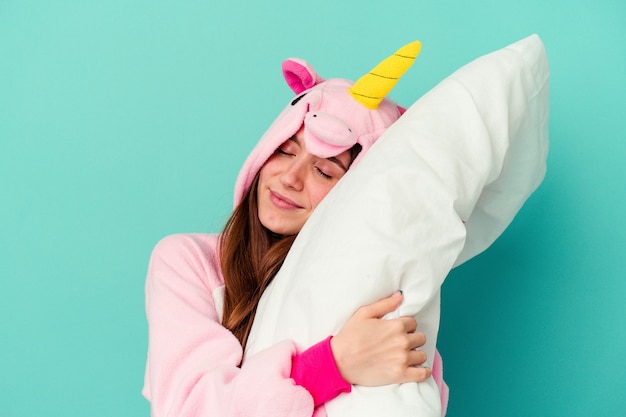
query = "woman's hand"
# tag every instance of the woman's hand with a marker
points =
(372, 351)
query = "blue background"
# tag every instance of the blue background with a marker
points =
(124, 121)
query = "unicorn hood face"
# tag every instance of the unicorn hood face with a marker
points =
(336, 114)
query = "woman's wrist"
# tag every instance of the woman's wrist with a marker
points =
(316, 370)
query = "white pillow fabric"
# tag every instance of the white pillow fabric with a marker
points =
(438, 188)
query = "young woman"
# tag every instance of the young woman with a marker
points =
(202, 290)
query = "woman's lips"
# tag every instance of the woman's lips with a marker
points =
(283, 202)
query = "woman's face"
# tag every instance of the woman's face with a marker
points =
(293, 182)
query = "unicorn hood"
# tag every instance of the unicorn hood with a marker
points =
(336, 114)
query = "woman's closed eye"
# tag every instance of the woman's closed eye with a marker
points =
(289, 147)
(329, 168)
(322, 173)
(283, 152)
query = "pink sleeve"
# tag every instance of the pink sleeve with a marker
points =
(316, 370)
(441, 384)
(192, 359)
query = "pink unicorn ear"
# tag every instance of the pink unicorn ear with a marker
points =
(299, 75)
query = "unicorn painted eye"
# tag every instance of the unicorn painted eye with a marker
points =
(297, 99)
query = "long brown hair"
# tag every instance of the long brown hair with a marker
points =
(250, 256)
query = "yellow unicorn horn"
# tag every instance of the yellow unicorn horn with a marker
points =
(371, 88)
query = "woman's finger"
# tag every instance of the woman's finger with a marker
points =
(410, 325)
(416, 358)
(417, 374)
(379, 308)
(416, 340)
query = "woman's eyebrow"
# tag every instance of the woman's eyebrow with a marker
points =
(338, 162)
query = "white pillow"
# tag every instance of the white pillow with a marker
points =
(438, 188)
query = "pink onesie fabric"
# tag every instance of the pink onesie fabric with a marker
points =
(192, 359)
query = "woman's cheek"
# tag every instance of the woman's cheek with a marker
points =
(320, 193)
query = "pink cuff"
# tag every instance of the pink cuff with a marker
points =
(316, 370)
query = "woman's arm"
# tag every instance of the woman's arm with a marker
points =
(192, 367)
(366, 351)
(193, 360)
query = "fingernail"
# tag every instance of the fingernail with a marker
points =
(400, 292)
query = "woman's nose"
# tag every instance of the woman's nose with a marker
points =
(293, 176)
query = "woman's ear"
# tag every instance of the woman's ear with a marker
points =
(299, 75)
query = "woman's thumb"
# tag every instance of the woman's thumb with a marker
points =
(381, 307)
